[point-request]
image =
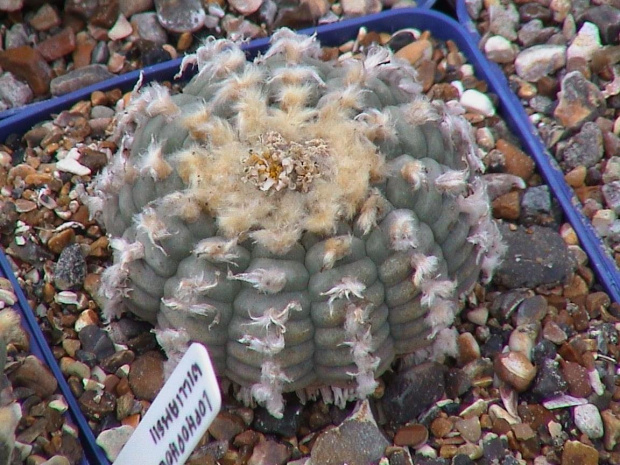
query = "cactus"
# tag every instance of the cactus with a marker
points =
(307, 221)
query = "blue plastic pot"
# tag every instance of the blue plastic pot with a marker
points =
(441, 27)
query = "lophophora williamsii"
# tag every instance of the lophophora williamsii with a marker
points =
(308, 221)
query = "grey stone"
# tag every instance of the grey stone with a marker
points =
(96, 341)
(537, 206)
(539, 61)
(79, 78)
(611, 194)
(534, 33)
(607, 18)
(504, 21)
(412, 391)
(549, 380)
(285, 426)
(536, 256)
(17, 36)
(180, 16)
(148, 28)
(101, 111)
(356, 441)
(13, 91)
(100, 54)
(70, 269)
(11, 5)
(588, 419)
(585, 148)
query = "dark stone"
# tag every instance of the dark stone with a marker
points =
(153, 53)
(531, 11)
(607, 18)
(462, 459)
(536, 256)
(544, 350)
(33, 374)
(493, 449)
(97, 405)
(8, 217)
(100, 54)
(86, 357)
(285, 426)
(533, 33)
(97, 341)
(549, 381)
(611, 194)
(585, 148)
(70, 269)
(539, 207)
(117, 360)
(457, 383)
(413, 390)
(493, 346)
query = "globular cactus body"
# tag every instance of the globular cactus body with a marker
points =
(308, 221)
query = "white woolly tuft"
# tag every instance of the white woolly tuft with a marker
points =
(425, 267)
(445, 345)
(336, 248)
(402, 230)
(153, 163)
(174, 343)
(274, 317)
(414, 172)
(159, 102)
(346, 288)
(269, 391)
(372, 211)
(267, 281)
(293, 46)
(269, 345)
(148, 221)
(441, 315)
(126, 252)
(217, 249)
(452, 182)
(436, 290)
(476, 204)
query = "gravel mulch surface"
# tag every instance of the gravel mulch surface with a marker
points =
(534, 381)
(561, 59)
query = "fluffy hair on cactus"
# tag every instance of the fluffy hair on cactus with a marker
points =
(307, 220)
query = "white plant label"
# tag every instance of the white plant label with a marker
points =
(179, 415)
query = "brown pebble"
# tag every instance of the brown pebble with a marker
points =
(99, 248)
(469, 350)
(97, 405)
(577, 379)
(515, 369)
(611, 425)
(45, 18)
(415, 51)
(523, 431)
(440, 427)
(58, 45)
(185, 41)
(552, 332)
(516, 161)
(84, 45)
(28, 64)
(33, 374)
(576, 177)
(226, 426)
(576, 453)
(147, 375)
(413, 435)
(59, 241)
(507, 206)
(448, 451)
(595, 302)
(577, 288)
(469, 428)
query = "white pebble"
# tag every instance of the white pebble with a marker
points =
(477, 102)
(538, 61)
(113, 440)
(586, 42)
(121, 28)
(588, 420)
(499, 49)
(602, 221)
(71, 165)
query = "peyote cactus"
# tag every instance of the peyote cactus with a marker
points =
(308, 221)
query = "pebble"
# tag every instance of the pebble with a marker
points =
(356, 441)
(78, 78)
(121, 29)
(515, 369)
(45, 18)
(33, 374)
(577, 378)
(477, 102)
(226, 426)
(539, 61)
(412, 391)
(588, 419)
(574, 452)
(549, 380)
(148, 28)
(269, 452)
(13, 92)
(96, 341)
(181, 16)
(28, 64)
(469, 428)
(586, 42)
(499, 49)
(611, 425)
(70, 269)
(516, 161)
(147, 375)
(113, 440)
(539, 256)
(58, 45)
(286, 426)
(579, 100)
(360, 7)
(414, 435)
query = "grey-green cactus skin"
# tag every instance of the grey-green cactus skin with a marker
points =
(334, 298)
